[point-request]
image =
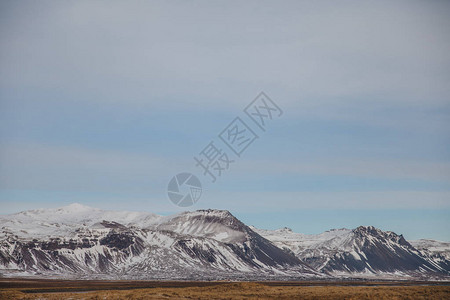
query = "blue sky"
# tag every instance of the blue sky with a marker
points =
(101, 103)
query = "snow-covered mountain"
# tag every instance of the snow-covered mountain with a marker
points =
(363, 252)
(434, 247)
(77, 241)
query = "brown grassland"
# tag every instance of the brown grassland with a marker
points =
(78, 289)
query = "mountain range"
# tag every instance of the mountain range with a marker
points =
(77, 241)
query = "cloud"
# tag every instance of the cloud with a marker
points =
(45, 167)
(257, 202)
(219, 55)
(356, 167)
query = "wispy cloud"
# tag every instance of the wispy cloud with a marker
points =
(359, 167)
(216, 55)
(267, 201)
(35, 166)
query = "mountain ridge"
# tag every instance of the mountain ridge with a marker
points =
(84, 242)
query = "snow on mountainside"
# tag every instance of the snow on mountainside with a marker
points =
(79, 241)
(61, 222)
(432, 246)
(364, 251)
(298, 242)
(215, 224)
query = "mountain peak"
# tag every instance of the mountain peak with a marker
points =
(285, 229)
(76, 207)
(218, 224)
(367, 229)
(338, 229)
(216, 214)
(211, 211)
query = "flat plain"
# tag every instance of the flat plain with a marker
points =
(11, 288)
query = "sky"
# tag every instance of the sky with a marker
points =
(103, 102)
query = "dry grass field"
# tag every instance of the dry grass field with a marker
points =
(57, 289)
